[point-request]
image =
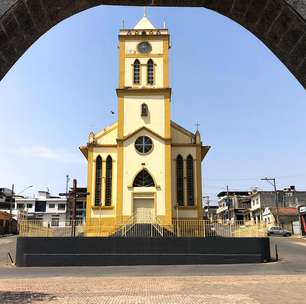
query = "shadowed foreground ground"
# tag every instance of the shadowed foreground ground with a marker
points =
(193, 290)
(281, 282)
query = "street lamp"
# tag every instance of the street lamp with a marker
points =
(206, 210)
(25, 189)
(11, 202)
(12, 198)
(272, 182)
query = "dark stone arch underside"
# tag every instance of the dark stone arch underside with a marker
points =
(279, 24)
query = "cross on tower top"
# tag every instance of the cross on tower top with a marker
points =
(197, 125)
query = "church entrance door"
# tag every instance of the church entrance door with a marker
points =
(144, 210)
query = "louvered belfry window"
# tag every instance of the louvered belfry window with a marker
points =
(150, 71)
(190, 181)
(180, 180)
(136, 72)
(108, 181)
(143, 179)
(98, 183)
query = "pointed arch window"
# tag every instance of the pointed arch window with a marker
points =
(108, 181)
(150, 72)
(143, 179)
(136, 67)
(98, 183)
(180, 180)
(190, 181)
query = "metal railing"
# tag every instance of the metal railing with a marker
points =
(132, 227)
(40, 228)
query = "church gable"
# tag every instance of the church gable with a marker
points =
(180, 135)
(107, 136)
(144, 131)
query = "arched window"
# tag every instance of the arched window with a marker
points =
(108, 181)
(144, 110)
(150, 72)
(98, 188)
(190, 181)
(143, 179)
(136, 72)
(180, 181)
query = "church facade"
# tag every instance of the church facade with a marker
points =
(144, 165)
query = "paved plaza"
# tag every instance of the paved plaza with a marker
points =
(276, 282)
(134, 290)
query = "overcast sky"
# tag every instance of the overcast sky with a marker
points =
(251, 110)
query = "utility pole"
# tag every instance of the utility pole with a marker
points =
(11, 207)
(72, 196)
(272, 181)
(228, 202)
(67, 182)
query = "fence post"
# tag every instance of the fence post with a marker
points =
(276, 253)
(47, 230)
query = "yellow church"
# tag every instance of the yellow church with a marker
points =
(144, 166)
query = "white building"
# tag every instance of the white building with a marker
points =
(50, 210)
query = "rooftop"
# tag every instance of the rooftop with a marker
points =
(289, 211)
(144, 24)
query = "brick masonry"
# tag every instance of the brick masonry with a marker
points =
(279, 24)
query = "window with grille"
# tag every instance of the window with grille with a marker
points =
(108, 181)
(150, 71)
(180, 180)
(55, 220)
(61, 206)
(98, 183)
(40, 206)
(136, 72)
(143, 179)
(190, 181)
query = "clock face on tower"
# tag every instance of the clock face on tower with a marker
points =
(144, 47)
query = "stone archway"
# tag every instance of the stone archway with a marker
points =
(279, 24)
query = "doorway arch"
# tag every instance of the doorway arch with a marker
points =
(279, 24)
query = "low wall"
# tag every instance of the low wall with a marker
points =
(99, 251)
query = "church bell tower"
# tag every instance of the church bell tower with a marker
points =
(144, 106)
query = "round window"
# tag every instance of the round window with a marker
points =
(143, 144)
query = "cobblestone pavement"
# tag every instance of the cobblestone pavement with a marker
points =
(155, 290)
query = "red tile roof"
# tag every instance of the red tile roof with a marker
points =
(288, 211)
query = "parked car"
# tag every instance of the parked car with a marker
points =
(275, 230)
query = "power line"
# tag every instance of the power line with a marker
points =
(252, 178)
